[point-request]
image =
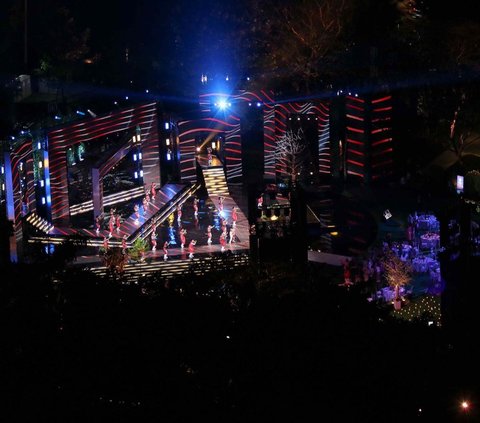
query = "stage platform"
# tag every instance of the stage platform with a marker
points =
(165, 200)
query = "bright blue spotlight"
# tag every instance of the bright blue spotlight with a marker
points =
(80, 113)
(222, 104)
(259, 104)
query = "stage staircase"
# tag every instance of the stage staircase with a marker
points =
(174, 267)
(39, 223)
(215, 181)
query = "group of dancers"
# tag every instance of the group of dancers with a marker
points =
(227, 235)
(227, 232)
(114, 222)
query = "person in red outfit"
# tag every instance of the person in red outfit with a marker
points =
(179, 213)
(136, 209)
(117, 222)
(195, 206)
(183, 238)
(223, 241)
(234, 216)
(153, 238)
(97, 224)
(153, 191)
(191, 248)
(165, 250)
(209, 234)
(111, 224)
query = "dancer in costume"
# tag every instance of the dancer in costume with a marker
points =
(191, 248)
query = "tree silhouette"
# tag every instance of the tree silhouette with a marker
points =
(291, 154)
(296, 42)
(397, 272)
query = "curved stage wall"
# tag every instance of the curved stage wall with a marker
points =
(59, 140)
(275, 116)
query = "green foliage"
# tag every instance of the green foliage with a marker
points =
(138, 249)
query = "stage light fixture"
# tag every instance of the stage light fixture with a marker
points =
(222, 104)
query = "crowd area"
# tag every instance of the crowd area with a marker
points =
(418, 249)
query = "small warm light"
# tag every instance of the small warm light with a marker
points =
(198, 149)
(214, 145)
(465, 405)
(274, 217)
(167, 141)
(334, 233)
(40, 164)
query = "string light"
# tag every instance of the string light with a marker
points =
(427, 305)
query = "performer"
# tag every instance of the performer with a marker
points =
(136, 209)
(234, 216)
(97, 224)
(260, 201)
(191, 248)
(223, 241)
(209, 234)
(231, 235)
(165, 250)
(117, 222)
(145, 205)
(195, 206)
(105, 244)
(179, 213)
(111, 223)
(220, 204)
(224, 225)
(183, 238)
(347, 273)
(153, 191)
(153, 238)
(124, 244)
(147, 197)
(209, 155)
